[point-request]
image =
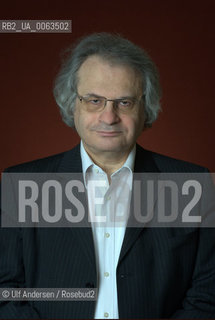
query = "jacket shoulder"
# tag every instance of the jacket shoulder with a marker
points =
(167, 164)
(175, 165)
(47, 164)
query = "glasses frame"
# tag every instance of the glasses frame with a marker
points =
(115, 101)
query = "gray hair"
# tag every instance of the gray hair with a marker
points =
(115, 49)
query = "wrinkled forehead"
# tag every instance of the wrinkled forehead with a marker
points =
(100, 72)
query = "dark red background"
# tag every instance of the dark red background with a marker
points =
(178, 34)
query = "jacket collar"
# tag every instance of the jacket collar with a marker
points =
(71, 161)
(144, 161)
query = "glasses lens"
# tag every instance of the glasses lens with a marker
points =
(125, 105)
(92, 103)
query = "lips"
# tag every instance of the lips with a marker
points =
(109, 133)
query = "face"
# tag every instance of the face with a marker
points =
(108, 131)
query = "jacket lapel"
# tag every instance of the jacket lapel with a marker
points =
(71, 163)
(144, 162)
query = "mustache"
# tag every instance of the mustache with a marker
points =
(106, 127)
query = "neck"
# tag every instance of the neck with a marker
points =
(109, 162)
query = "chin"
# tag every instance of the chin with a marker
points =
(106, 146)
(109, 149)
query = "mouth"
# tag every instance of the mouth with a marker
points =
(109, 133)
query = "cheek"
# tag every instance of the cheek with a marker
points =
(78, 122)
(135, 126)
(83, 121)
(130, 124)
(139, 122)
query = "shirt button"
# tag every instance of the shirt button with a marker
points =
(106, 314)
(106, 274)
(108, 198)
(96, 170)
(107, 235)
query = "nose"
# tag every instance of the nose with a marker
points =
(109, 114)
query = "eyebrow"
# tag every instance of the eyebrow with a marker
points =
(98, 96)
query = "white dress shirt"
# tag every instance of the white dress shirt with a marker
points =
(109, 203)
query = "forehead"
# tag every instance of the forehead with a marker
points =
(97, 75)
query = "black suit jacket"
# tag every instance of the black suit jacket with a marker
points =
(162, 272)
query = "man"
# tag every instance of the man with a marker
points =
(109, 90)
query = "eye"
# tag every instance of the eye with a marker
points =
(95, 101)
(125, 103)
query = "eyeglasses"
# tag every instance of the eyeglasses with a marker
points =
(94, 103)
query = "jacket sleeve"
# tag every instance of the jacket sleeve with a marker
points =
(199, 301)
(12, 274)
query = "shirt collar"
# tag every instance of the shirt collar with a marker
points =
(87, 161)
